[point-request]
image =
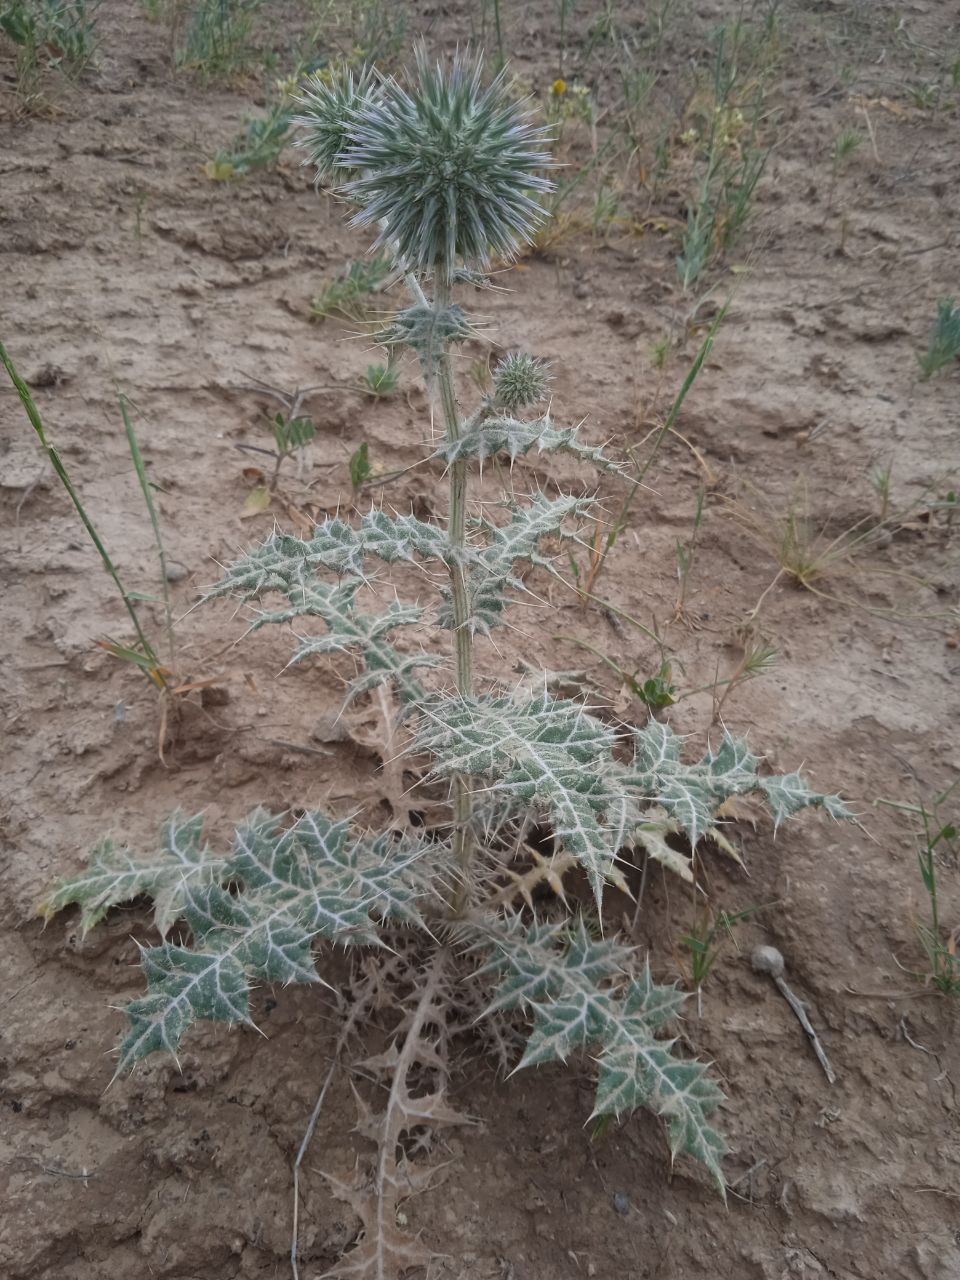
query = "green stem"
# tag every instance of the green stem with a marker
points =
(463, 637)
(55, 461)
(141, 471)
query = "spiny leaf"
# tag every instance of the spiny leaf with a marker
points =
(287, 887)
(184, 985)
(546, 753)
(636, 1069)
(692, 795)
(284, 562)
(114, 875)
(498, 551)
(349, 630)
(529, 524)
(788, 793)
(515, 438)
(574, 986)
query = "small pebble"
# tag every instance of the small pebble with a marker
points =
(621, 1203)
(176, 572)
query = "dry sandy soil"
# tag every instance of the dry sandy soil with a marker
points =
(123, 265)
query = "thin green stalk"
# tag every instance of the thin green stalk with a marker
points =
(31, 411)
(141, 471)
(463, 638)
(501, 60)
(621, 521)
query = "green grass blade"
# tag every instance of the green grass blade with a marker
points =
(141, 471)
(30, 409)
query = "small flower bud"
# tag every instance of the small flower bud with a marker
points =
(519, 380)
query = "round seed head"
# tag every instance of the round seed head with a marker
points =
(329, 100)
(519, 380)
(768, 960)
(448, 170)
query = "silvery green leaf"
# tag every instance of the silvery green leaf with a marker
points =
(733, 767)
(486, 598)
(581, 997)
(520, 538)
(114, 875)
(547, 753)
(256, 915)
(498, 550)
(350, 631)
(689, 800)
(493, 435)
(692, 794)
(788, 793)
(636, 1069)
(657, 748)
(528, 961)
(183, 986)
(562, 1026)
(403, 537)
(657, 1005)
(286, 563)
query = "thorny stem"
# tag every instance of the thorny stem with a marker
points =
(463, 638)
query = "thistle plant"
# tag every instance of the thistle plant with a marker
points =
(529, 792)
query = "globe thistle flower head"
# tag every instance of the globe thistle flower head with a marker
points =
(330, 100)
(519, 381)
(448, 170)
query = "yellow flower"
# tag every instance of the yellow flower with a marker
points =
(559, 88)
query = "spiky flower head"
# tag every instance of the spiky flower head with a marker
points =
(519, 380)
(448, 170)
(330, 99)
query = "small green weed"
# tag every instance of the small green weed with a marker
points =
(734, 159)
(142, 654)
(381, 381)
(217, 37)
(56, 34)
(936, 838)
(360, 468)
(262, 141)
(291, 433)
(944, 345)
(349, 296)
(709, 934)
(685, 557)
(881, 481)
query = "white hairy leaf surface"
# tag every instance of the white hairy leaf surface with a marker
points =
(581, 997)
(284, 561)
(496, 551)
(544, 753)
(114, 875)
(495, 435)
(253, 916)
(351, 631)
(692, 794)
(788, 793)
